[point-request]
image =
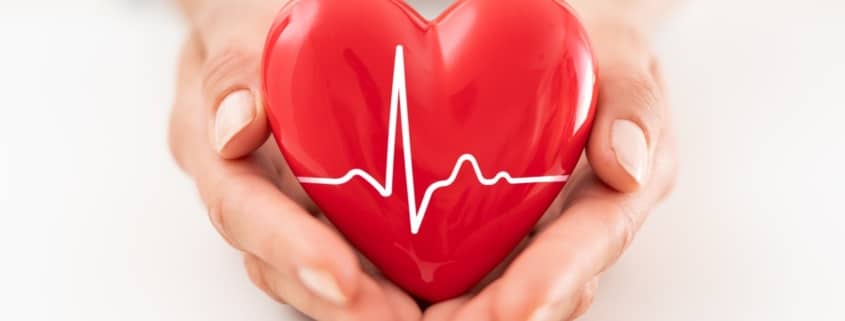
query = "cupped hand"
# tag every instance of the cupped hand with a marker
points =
(219, 136)
(632, 166)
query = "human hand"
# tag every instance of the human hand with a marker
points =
(586, 228)
(554, 273)
(219, 136)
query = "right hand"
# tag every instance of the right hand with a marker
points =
(219, 136)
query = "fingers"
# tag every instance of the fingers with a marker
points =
(586, 298)
(463, 308)
(291, 255)
(446, 310)
(232, 38)
(254, 269)
(370, 305)
(565, 257)
(598, 223)
(630, 112)
(402, 305)
(252, 214)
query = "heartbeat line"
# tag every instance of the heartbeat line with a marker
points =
(399, 105)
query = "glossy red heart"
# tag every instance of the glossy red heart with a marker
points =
(485, 110)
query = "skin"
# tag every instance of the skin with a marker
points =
(258, 207)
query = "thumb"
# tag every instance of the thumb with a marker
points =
(232, 37)
(630, 112)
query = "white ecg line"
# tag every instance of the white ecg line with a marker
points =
(399, 104)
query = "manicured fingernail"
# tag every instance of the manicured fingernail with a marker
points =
(323, 284)
(235, 112)
(629, 143)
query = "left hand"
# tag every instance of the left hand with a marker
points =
(219, 136)
(632, 167)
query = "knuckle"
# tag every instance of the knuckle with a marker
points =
(178, 131)
(225, 199)
(656, 71)
(223, 71)
(229, 194)
(257, 275)
(215, 217)
(622, 226)
(179, 124)
(614, 222)
(670, 165)
(643, 99)
(586, 299)
(254, 271)
(642, 90)
(271, 247)
(672, 179)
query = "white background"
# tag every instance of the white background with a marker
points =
(96, 223)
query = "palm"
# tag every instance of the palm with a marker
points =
(259, 207)
(285, 179)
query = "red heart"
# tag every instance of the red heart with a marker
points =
(500, 98)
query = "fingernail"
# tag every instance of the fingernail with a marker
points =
(235, 112)
(629, 143)
(323, 284)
